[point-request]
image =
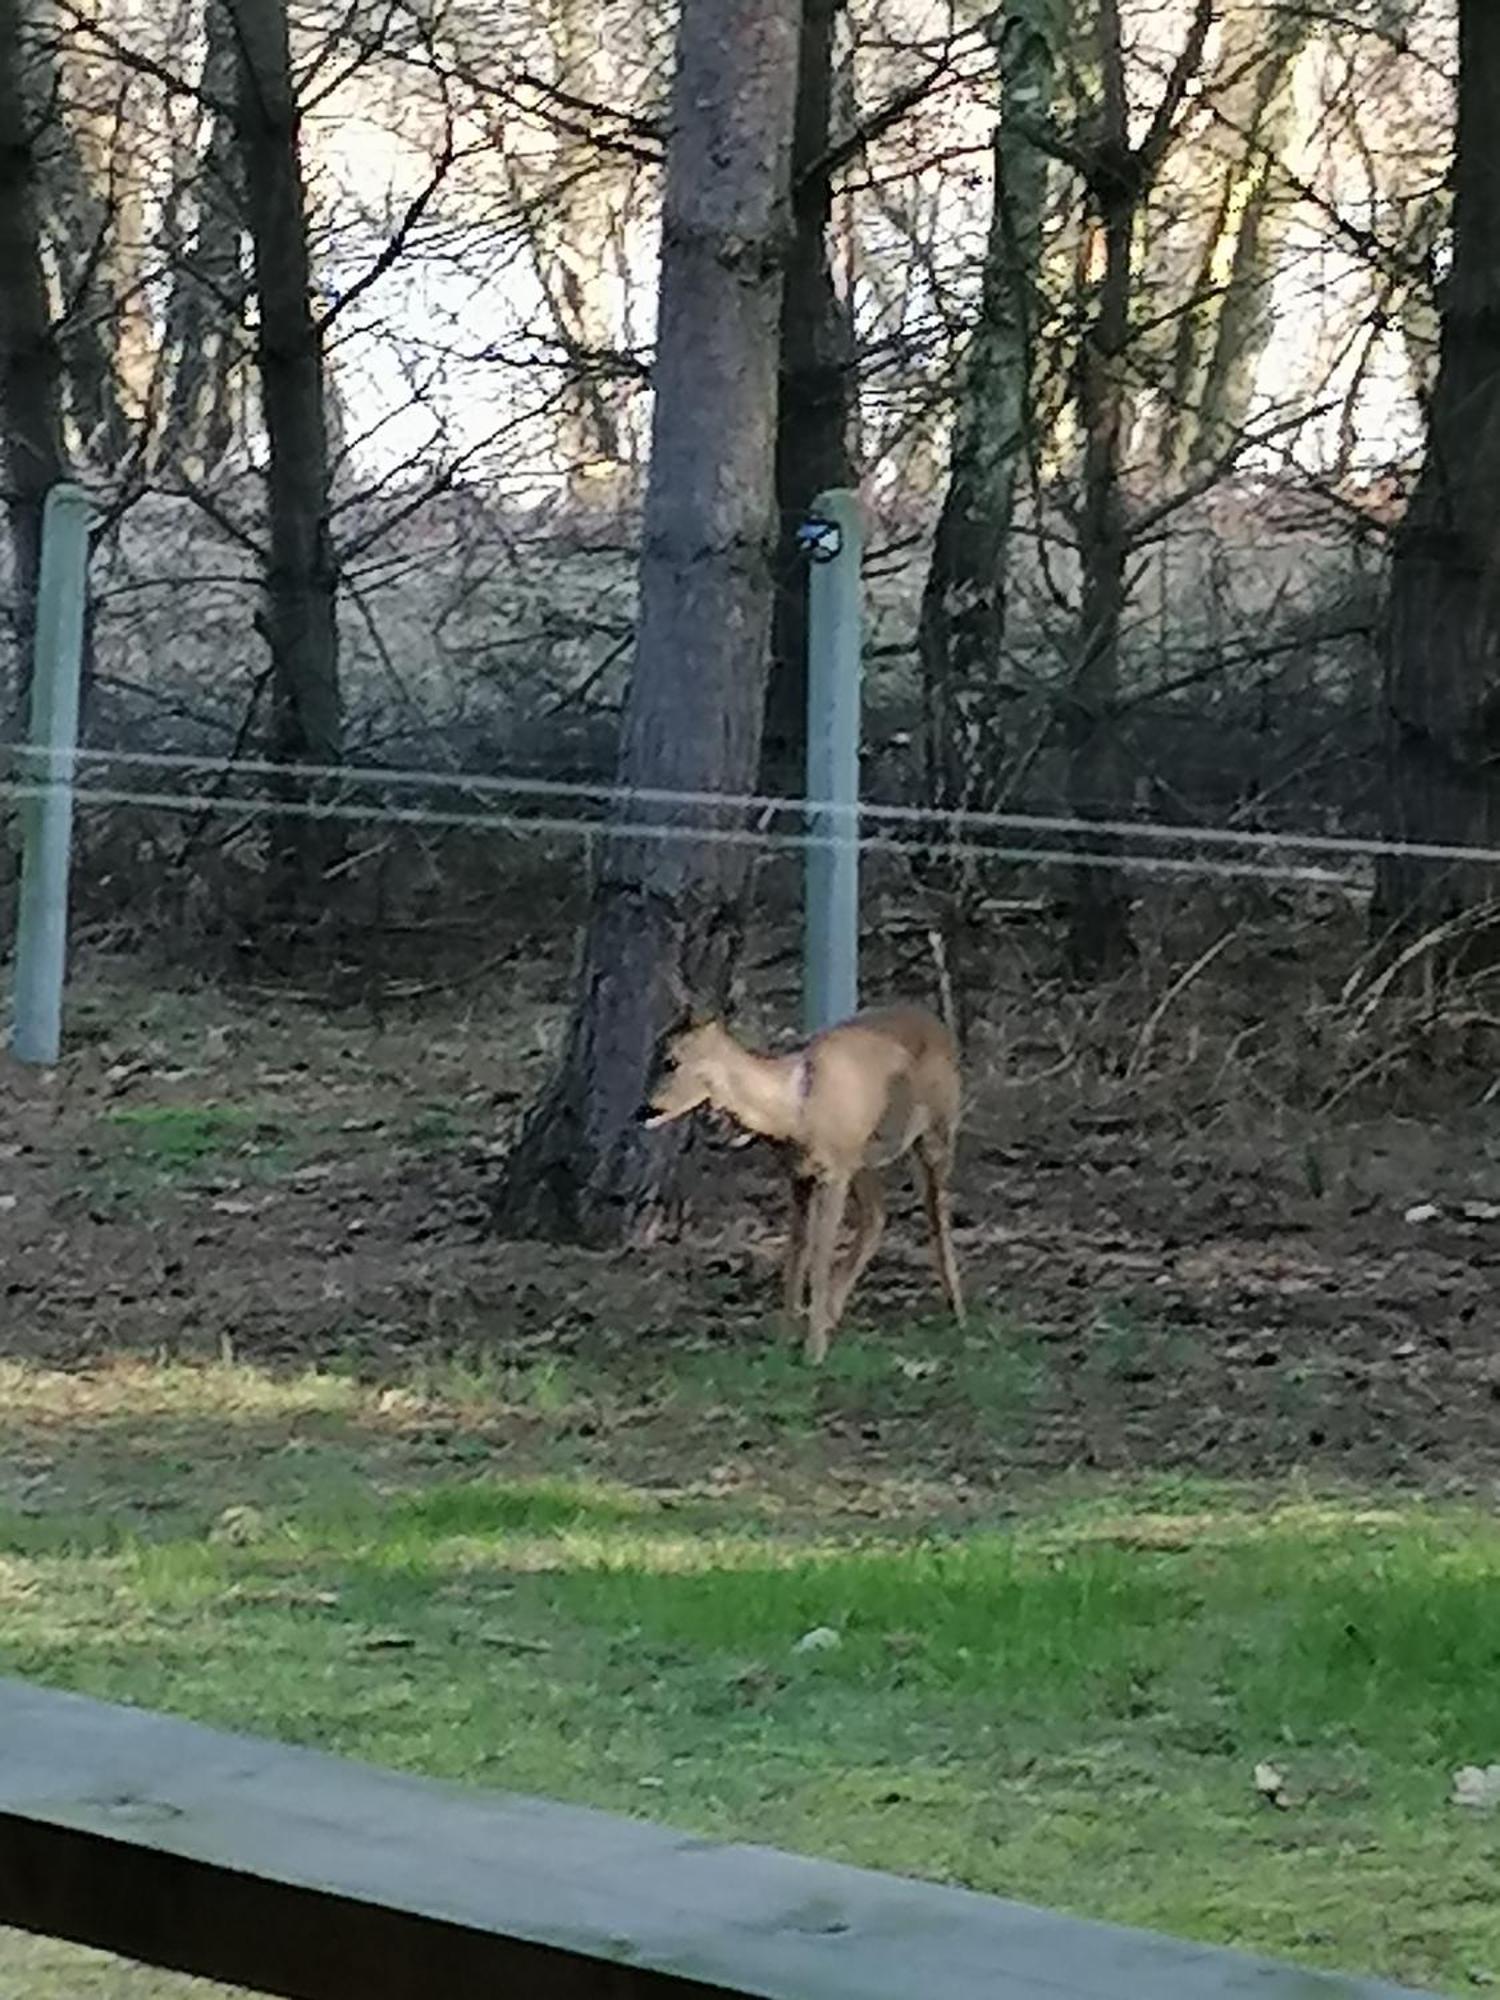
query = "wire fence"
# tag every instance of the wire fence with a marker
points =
(637, 813)
(764, 839)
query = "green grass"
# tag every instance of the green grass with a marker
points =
(144, 1149)
(183, 1135)
(1065, 1706)
(441, 1125)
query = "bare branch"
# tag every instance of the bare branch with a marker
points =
(1194, 489)
(880, 121)
(587, 107)
(142, 63)
(395, 246)
(1162, 130)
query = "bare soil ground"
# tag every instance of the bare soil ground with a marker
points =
(1158, 1281)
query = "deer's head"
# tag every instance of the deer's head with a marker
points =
(688, 1074)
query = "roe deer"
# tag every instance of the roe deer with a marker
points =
(857, 1097)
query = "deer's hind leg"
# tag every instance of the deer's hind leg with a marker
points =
(825, 1213)
(935, 1161)
(795, 1263)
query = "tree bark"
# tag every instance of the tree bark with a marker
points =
(1442, 672)
(1118, 178)
(300, 622)
(206, 311)
(30, 358)
(817, 388)
(666, 912)
(961, 626)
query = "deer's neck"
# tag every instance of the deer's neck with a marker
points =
(764, 1094)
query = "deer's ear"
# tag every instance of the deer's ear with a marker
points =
(692, 1011)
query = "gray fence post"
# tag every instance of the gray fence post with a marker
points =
(46, 770)
(831, 539)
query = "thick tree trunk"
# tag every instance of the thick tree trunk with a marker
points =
(301, 588)
(961, 624)
(1443, 621)
(817, 388)
(206, 312)
(666, 912)
(961, 627)
(30, 359)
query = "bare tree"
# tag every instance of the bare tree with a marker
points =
(1220, 335)
(817, 394)
(206, 310)
(578, 231)
(961, 627)
(30, 359)
(1117, 177)
(95, 181)
(666, 911)
(300, 622)
(1442, 678)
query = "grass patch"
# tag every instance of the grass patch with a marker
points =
(146, 1148)
(438, 1127)
(994, 1374)
(1066, 1706)
(176, 1135)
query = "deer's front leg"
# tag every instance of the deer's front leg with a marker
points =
(794, 1267)
(869, 1223)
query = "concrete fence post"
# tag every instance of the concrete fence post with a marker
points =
(831, 540)
(46, 767)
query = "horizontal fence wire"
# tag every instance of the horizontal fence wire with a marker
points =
(608, 795)
(1038, 839)
(762, 838)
